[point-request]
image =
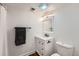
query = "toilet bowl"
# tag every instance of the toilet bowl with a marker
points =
(63, 49)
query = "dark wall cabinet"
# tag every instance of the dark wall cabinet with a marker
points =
(20, 35)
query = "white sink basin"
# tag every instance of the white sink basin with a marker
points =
(44, 38)
(50, 33)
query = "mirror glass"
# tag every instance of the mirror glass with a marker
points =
(48, 24)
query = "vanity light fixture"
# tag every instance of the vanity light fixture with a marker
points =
(43, 6)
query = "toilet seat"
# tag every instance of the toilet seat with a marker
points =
(55, 54)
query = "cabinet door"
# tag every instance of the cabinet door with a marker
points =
(39, 46)
(49, 47)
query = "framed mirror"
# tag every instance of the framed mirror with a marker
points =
(48, 24)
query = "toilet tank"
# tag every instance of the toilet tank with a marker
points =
(64, 49)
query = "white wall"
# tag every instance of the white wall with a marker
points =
(20, 15)
(67, 25)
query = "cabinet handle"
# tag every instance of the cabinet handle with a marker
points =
(48, 41)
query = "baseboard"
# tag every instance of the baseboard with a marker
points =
(28, 53)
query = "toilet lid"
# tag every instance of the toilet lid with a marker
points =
(55, 54)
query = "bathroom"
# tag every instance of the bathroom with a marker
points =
(61, 19)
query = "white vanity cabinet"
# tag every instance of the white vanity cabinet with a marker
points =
(44, 45)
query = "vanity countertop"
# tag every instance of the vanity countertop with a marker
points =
(43, 37)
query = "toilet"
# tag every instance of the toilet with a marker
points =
(63, 49)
